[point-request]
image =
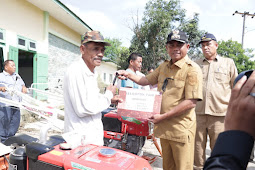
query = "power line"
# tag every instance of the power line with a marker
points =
(244, 14)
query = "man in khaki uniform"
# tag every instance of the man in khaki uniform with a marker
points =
(180, 81)
(218, 77)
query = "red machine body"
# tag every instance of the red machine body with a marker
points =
(88, 157)
(125, 133)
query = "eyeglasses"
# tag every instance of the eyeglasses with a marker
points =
(165, 83)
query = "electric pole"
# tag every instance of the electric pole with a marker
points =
(244, 14)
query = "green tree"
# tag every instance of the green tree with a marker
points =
(234, 50)
(113, 52)
(160, 17)
(116, 53)
(122, 60)
(190, 26)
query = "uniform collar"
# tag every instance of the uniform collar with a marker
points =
(216, 58)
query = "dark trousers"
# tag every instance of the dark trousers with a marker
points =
(9, 122)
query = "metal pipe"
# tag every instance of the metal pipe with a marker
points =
(244, 16)
(44, 133)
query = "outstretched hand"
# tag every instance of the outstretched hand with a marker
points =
(122, 74)
(241, 109)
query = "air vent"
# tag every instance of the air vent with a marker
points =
(1, 36)
(22, 42)
(32, 46)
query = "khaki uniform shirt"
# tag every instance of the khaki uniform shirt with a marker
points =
(186, 83)
(218, 79)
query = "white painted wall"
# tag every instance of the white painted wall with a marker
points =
(19, 17)
(107, 68)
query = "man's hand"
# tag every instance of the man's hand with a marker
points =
(116, 99)
(241, 109)
(24, 89)
(122, 74)
(3, 89)
(156, 118)
(141, 80)
(112, 89)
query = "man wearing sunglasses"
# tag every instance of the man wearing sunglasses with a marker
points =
(180, 81)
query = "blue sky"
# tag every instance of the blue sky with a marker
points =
(114, 18)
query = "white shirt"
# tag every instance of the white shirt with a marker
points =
(14, 82)
(84, 103)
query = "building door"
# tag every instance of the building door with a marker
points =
(24, 63)
(41, 74)
(13, 55)
(25, 66)
(32, 67)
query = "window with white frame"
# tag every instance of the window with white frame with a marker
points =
(32, 45)
(110, 78)
(104, 77)
(26, 44)
(22, 43)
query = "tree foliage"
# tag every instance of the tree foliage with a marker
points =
(190, 26)
(122, 61)
(234, 50)
(113, 52)
(116, 53)
(160, 17)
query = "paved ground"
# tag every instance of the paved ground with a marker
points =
(150, 150)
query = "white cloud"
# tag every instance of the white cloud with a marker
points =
(113, 17)
(191, 8)
(98, 20)
(94, 18)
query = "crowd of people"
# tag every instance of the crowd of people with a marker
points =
(199, 99)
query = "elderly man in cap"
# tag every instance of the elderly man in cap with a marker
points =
(219, 74)
(83, 102)
(180, 81)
